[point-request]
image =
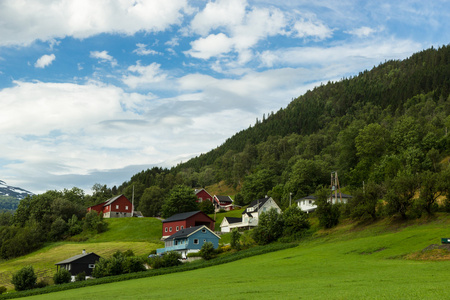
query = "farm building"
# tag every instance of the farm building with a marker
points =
(116, 207)
(84, 262)
(185, 220)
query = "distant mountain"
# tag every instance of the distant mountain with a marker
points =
(11, 191)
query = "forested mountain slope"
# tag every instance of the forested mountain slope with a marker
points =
(393, 118)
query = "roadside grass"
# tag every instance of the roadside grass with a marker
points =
(349, 262)
(138, 234)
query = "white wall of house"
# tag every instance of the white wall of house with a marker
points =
(307, 205)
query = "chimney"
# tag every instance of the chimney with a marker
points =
(84, 252)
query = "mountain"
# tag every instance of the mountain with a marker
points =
(12, 191)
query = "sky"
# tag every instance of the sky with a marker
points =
(95, 91)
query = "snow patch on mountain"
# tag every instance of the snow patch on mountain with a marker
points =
(12, 191)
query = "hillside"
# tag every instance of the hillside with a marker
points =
(350, 262)
(369, 128)
(142, 235)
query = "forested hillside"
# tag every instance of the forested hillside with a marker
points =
(392, 120)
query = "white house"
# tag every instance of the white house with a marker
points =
(250, 215)
(227, 222)
(307, 204)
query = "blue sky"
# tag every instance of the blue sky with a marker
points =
(96, 91)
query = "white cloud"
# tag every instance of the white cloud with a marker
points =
(22, 22)
(103, 56)
(142, 50)
(146, 75)
(362, 31)
(314, 29)
(44, 61)
(212, 45)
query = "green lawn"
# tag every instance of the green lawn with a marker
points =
(142, 235)
(345, 263)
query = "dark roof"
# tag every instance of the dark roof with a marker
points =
(182, 216)
(224, 198)
(255, 203)
(183, 233)
(77, 257)
(310, 197)
(232, 220)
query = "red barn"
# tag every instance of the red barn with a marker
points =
(186, 220)
(203, 195)
(116, 207)
(223, 202)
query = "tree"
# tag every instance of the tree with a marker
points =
(93, 221)
(152, 201)
(327, 212)
(235, 239)
(58, 229)
(400, 193)
(295, 221)
(207, 207)
(62, 276)
(257, 185)
(306, 176)
(429, 191)
(207, 251)
(270, 227)
(24, 279)
(364, 203)
(181, 199)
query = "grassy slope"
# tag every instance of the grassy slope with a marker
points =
(138, 234)
(345, 263)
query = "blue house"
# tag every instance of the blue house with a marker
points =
(190, 240)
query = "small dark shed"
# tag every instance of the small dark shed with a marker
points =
(84, 262)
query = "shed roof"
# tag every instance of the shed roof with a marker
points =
(77, 257)
(232, 220)
(224, 198)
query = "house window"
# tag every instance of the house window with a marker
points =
(195, 241)
(178, 228)
(91, 266)
(117, 206)
(203, 230)
(204, 241)
(126, 207)
(170, 229)
(176, 243)
(182, 227)
(165, 229)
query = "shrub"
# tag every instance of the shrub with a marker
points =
(172, 258)
(207, 252)
(62, 276)
(270, 227)
(2, 289)
(42, 283)
(24, 279)
(80, 276)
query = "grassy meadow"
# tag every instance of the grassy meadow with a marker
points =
(142, 235)
(348, 262)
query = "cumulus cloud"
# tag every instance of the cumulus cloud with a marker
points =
(44, 61)
(22, 22)
(103, 56)
(145, 75)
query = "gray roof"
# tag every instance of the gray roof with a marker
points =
(76, 257)
(184, 233)
(109, 201)
(257, 204)
(343, 195)
(183, 216)
(310, 197)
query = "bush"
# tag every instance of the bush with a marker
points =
(235, 239)
(270, 227)
(62, 276)
(42, 283)
(207, 252)
(2, 289)
(80, 276)
(172, 258)
(24, 279)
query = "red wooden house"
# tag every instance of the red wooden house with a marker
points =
(116, 207)
(185, 220)
(203, 195)
(223, 202)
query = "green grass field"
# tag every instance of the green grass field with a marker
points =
(349, 262)
(142, 235)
